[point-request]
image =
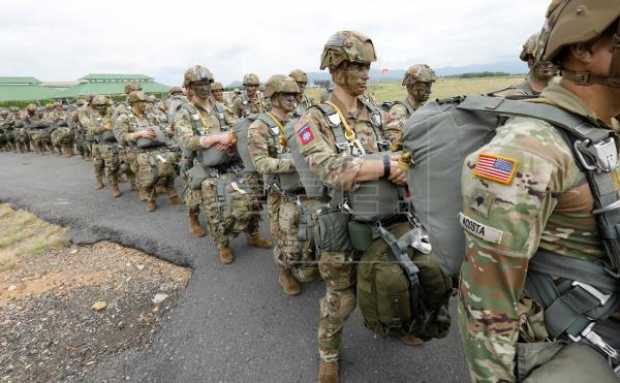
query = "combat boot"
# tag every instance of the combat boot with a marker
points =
(100, 183)
(67, 151)
(255, 240)
(226, 254)
(115, 190)
(174, 198)
(151, 205)
(289, 284)
(328, 372)
(412, 340)
(195, 226)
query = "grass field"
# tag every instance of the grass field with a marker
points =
(444, 87)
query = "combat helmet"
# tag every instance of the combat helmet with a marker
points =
(100, 100)
(299, 75)
(175, 90)
(279, 83)
(31, 108)
(580, 21)
(347, 46)
(13, 109)
(138, 96)
(195, 74)
(419, 72)
(251, 79)
(217, 86)
(530, 48)
(132, 86)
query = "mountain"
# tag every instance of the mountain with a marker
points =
(512, 67)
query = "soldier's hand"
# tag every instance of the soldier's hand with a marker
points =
(397, 174)
(148, 133)
(227, 139)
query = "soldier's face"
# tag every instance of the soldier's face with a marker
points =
(420, 91)
(218, 95)
(101, 108)
(201, 89)
(251, 90)
(302, 86)
(286, 101)
(353, 77)
(544, 70)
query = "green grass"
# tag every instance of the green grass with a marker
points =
(444, 87)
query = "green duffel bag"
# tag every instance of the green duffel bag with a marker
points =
(197, 174)
(108, 137)
(389, 304)
(214, 157)
(374, 201)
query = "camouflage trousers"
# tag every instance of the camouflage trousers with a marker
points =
(106, 160)
(290, 252)
(155, 172)
(338, 272)
(22, 140)
(257, 190)
(62, 138)
(41, 141)
(228, 207)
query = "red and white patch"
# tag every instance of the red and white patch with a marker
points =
(305, 135)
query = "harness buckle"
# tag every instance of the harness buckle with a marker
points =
(596, 293)
(603, 155)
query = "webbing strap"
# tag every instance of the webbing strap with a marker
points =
(335, 123)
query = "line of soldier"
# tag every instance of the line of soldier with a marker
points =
(232, 158)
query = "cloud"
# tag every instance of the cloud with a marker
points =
(67, 39)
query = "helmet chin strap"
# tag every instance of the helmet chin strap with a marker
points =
(585, 78)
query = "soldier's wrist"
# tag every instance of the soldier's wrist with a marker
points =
(387, 162)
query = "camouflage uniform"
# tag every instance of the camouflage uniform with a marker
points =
(244, 105)
(304, 102)
(106, 155)
(400, 112)
(294, 257)
(154, 167)
(549, 206)
(337, 170)
(61, 136)
(39, 138)
(79, 122)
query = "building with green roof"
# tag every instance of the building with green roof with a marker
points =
(22, 89)
(111, 85)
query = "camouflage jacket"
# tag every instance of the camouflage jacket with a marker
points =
(265, 145)
(396, 118)
(305, 104)
(187, 137)
(128, 122)
(56, 116)
(97, 124)
(545, 203)
(318, 144)
(243, 106)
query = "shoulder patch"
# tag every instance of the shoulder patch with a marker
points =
(305, 135)
(495, 168)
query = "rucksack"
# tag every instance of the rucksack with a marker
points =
(390, 304)
(441, 134)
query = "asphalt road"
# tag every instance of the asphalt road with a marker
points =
(233, 324)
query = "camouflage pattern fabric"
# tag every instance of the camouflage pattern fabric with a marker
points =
(62, 138)
(154, 168)
(243, 105)
(396, 118)
(295, 255)
(303, 105)
(106, 156)
(221, 225)
(337, 170)
(548, 205)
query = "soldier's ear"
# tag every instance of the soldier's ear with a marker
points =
(582, 52)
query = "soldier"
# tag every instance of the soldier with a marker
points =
(348, 56)
(217, 90)
(540, 71)
(11, 124)
(268, 151)
(250, 101)
(152, 161)
(39, 135)
(303, 101)
(418, 81)
(62, 135)
(200, 126)
(176, 97)
(106, 151)
(539, 285)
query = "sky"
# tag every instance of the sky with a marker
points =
(64, 40)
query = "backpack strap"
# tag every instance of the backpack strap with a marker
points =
(577, 295)
(220, 112)
(406, 105)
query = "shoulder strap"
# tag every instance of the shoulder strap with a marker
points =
(335, 123)
(406, 105)
(194, 115)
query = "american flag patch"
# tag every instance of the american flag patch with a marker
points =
(495, 168)
(306, 135)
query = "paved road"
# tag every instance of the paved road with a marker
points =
(233, 324)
